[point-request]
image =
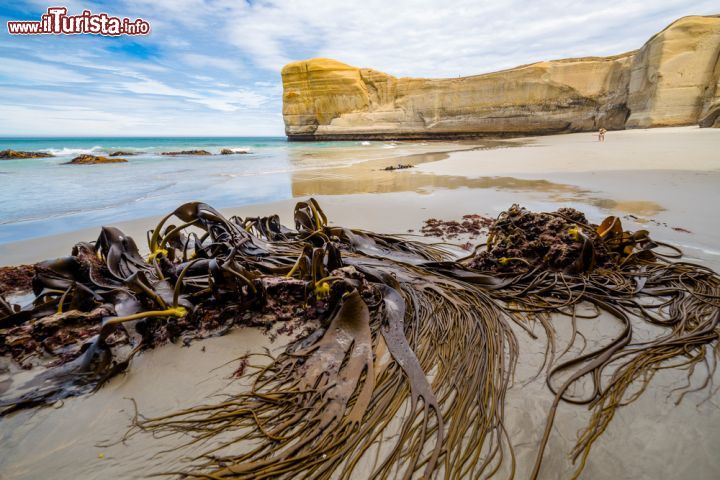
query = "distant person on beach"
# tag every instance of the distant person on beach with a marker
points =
(601, 134)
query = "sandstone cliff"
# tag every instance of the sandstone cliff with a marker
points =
(674, 79)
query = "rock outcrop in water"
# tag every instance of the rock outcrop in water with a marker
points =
(120, 153)
(674, 79)
(188, 152)
(93, 160)
(14, 154)
(229, 151)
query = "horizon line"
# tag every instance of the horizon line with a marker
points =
(142, 136)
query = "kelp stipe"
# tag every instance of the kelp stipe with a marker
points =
(408, 346)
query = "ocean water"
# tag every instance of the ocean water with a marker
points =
(41, 196)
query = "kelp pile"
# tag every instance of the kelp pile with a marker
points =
(557, 263)
(406, 353)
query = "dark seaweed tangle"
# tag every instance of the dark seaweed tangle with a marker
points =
(415, 353)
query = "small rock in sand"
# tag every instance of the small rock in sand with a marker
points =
(399, 166)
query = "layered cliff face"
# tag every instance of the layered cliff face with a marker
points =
(672, 80)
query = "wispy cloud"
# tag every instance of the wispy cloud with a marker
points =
(153, 87)
(212, 67)
(14, 70)
(460, 37)
(206, 61)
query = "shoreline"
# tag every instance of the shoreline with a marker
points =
(628, 175)
(151, 184)
(459, 136)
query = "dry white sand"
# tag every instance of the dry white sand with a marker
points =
(666, 177)
(675, 148)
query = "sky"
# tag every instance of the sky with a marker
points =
(212, 68)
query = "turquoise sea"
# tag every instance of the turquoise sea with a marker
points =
(41, 196)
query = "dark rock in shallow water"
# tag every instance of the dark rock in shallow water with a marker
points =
(93, 160)
(188, 152)
(120, 153)
(227, 151)
(13, 154)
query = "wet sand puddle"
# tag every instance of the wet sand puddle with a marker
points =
(371, 177)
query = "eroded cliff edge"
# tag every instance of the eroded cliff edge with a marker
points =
(674, 79)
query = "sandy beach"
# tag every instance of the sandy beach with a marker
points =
(629, 174)
(664, 180)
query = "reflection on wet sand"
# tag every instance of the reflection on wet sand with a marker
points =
(421, 152)
(370, 177)
(638, 207)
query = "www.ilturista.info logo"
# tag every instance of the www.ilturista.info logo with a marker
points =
(57, 22)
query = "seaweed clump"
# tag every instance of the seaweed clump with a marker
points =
(336, 389)
(471, 225)
(558, 264)
(559, 241)
(394, 342)
(16, 279)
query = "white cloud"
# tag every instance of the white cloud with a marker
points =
(229, 100)
(240, 98)
(207, 61)
(73, 122)
(461, 37)
(23, 71)
(203, 78)
(154, 87)
(212, 67)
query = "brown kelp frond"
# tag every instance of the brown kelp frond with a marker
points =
(319, 408)
(404, 355)
(312, 224)
(140, 301)
(302, 407)
(462, 341)
(470, 350)
(556, 263)
(359, 379)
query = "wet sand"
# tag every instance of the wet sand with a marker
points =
(665, 178)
